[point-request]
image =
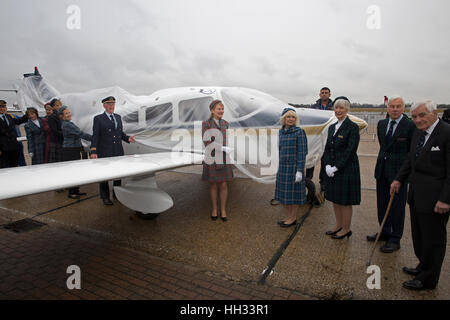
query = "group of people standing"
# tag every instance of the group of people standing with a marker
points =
(55, 138)
(412, 152)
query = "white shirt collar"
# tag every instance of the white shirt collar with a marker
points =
(109, 114)
(396, 120)
(431, 128)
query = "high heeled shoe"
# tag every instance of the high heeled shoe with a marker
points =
(331, 233)
(348, 234)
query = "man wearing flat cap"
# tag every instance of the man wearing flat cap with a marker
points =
(9, 146)
(107, 136)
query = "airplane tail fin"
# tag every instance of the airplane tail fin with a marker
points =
(33, 90)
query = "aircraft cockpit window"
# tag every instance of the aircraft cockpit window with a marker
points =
(131, 117)
(242, 101)
(160, 114)
(195, 109)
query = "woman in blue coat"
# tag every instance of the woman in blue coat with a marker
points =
(72, 146)
(290, 187)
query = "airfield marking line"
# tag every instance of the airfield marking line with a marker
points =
(273, 261)
(45, 212)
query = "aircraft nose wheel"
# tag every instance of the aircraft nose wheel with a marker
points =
(144, 216)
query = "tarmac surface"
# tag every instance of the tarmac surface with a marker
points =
(183, 254)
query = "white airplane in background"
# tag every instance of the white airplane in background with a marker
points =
(154, 119)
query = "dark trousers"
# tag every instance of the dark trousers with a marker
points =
(310, 173)
(394, 225)
(104, 188)
(429, 234)
(69, 154)
(9, 159)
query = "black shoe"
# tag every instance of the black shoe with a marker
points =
(331, 233)
(224, 219)
(390, 247)
(348, 234)
(107, 202)
(214, 218)
(284, 225)
(81, 193)
(73, 196)
(411, 271)
(416, 285)
(374, 237)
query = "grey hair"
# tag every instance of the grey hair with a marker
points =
(342, 102)
(430, 105)
(395, 97)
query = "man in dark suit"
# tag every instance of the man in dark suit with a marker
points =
(107, 139)
(428, 169)
(324, 103)
(9, 146)
(394, 136)
(446, 116)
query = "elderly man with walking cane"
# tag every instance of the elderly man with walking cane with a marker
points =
(428, 169)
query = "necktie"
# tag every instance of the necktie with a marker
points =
(421, 143)
(114, 121)
(5, 119)
(391, 129)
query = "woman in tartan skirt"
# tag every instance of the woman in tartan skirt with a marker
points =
(35, 136)
(290, 188)
(340, 169)
(217, 170)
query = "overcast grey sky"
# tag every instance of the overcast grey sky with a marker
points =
(287, 48)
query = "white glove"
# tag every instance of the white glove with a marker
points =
(330, 170)
(298, 177)
(30, 154)
(227, 150)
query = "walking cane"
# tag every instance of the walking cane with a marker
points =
(381, 227)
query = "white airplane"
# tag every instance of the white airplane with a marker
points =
(167, 125)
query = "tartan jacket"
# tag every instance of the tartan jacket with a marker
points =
(292, 151)
(392, 154)
(36, 139)
(340, 149)
(223, 126)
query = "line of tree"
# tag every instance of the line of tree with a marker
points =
(367, 105)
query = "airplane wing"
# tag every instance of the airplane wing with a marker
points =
(21, 181)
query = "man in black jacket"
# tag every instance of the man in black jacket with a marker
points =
(446, 116)
(9, 146)
(324, 103)
(394, 136)
(428, 169)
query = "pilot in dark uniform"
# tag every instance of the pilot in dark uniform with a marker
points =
(9, 146)
(107, 136)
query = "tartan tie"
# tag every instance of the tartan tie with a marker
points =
(391, 129)
(421, 142)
